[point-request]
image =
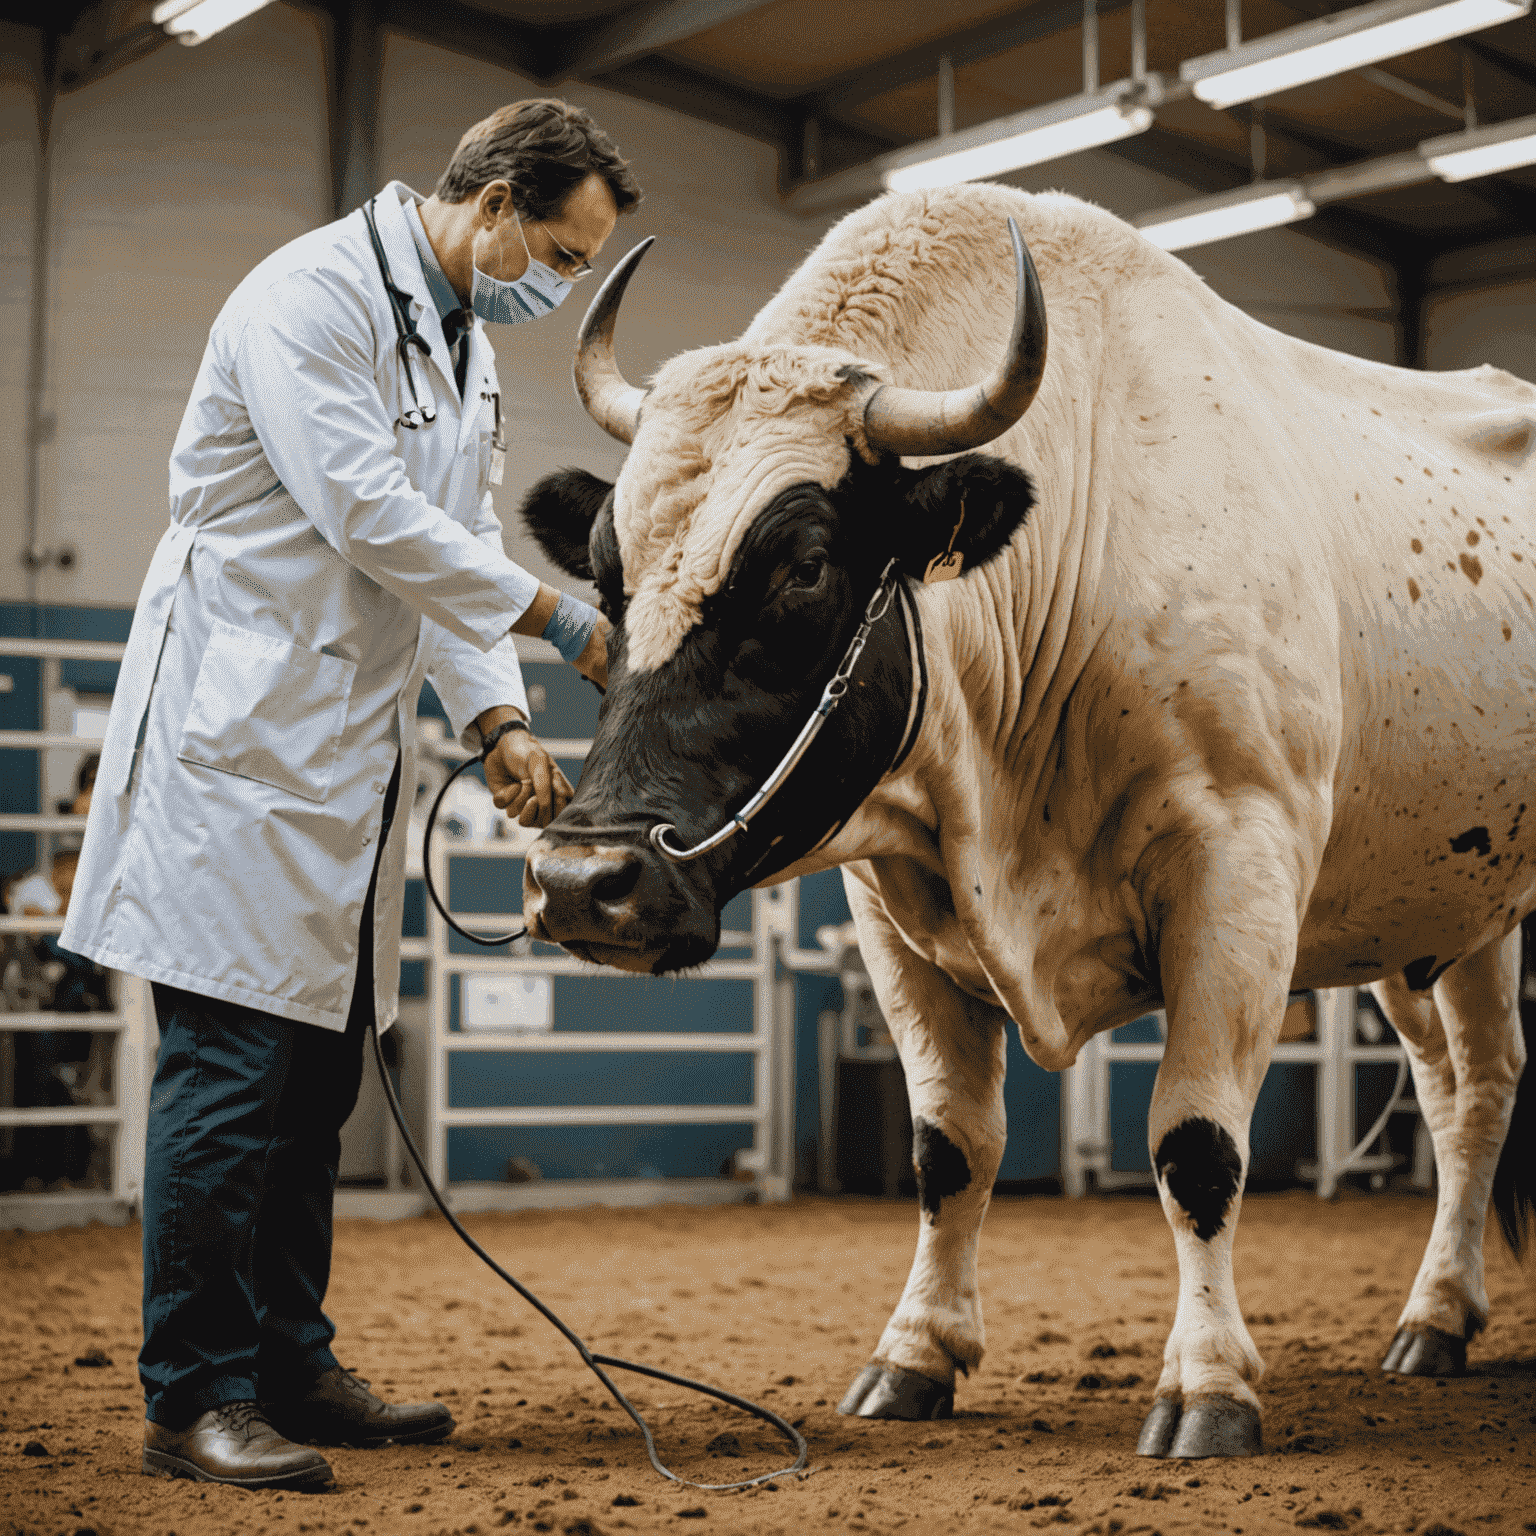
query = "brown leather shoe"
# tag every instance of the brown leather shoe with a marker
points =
(234, 1444)
(339, 1409)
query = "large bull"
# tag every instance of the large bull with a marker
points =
(1236, 694)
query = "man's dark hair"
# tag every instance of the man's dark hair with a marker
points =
(544, 149)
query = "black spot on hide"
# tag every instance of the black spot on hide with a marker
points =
(941, 1165)
(1473, 840)
(1423, 973)
(1199, 1163)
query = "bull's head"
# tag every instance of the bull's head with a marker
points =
(735, 557)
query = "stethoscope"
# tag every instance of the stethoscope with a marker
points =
(407, 336)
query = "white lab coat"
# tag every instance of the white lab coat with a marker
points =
(320, 562)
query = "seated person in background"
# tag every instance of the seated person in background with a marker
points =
(85, 782)
(46, 895)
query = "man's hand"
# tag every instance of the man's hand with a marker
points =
(524, 780)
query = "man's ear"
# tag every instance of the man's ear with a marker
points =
(559, 512)
(970, 507)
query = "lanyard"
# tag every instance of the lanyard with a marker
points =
(418, 415)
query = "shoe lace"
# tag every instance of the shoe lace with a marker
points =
(239, 1416)
(354, 1383)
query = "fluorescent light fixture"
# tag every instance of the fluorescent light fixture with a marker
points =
(1483, 151)
(1329, 46)
(195, 21)
(1261, 206)
(1027, 138)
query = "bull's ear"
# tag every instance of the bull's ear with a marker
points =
(559, 512)
(977, 501)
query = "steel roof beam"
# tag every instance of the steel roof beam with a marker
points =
(967, 46)
(463, 29)
(583, 53)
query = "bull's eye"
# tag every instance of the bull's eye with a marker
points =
(808, 573)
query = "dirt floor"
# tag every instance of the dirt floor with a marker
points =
(783, 1304)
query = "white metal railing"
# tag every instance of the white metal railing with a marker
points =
(128, 1024)
(770, 1042)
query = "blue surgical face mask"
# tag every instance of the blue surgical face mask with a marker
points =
(539, 291)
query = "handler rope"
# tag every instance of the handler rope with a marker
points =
(595, 1363)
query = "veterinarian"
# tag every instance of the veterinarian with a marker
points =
(332, 544)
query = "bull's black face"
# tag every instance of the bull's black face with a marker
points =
(690, 742)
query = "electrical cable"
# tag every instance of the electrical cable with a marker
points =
(594, 1362)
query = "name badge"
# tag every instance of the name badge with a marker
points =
(498, 465)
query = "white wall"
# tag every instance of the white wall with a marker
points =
(1489, 316)
(177, 174)
(172, 178)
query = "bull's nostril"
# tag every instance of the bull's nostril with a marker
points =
(614, 888)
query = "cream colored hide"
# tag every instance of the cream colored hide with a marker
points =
(1249, 704)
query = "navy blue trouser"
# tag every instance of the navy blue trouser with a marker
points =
(245, 1118)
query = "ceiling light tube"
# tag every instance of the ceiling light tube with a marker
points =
(1333, 44)
(195, 21)
(1264, 205)
(1482, 151)
(1027, 138)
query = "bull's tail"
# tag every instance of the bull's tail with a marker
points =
(1514, 1181)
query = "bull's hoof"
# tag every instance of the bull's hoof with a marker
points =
(1159, 1428)
(1214, 1426)
(889, 1392)
(1426, 1352)
(1219, 1426)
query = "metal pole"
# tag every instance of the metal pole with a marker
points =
(356, 61)
(39, 426)
(946, 96)
(1138, 40)
(1090, 47)
(810, 149)
(1468, 93)
(1234, 23)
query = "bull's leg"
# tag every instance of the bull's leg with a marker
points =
(1226, 960)
(1466, 1050)
(952, 1052)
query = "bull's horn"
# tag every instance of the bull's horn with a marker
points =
(918, 422)
(611, 401)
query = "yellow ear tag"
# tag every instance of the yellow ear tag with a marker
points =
(947, 566)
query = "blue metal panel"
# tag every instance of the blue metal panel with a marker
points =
(523, 1079)
(597, 1151)
(1032, 1101)
(1130, 1094)
(491, 883)
(413, 978)
(1283, 1131)
(560, 700)
(413, 924)
(821, 901)
(21, 783)
(641, 1005)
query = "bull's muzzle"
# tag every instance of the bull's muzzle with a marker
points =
(613, 904)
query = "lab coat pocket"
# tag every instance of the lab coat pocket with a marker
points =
(266, 709)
